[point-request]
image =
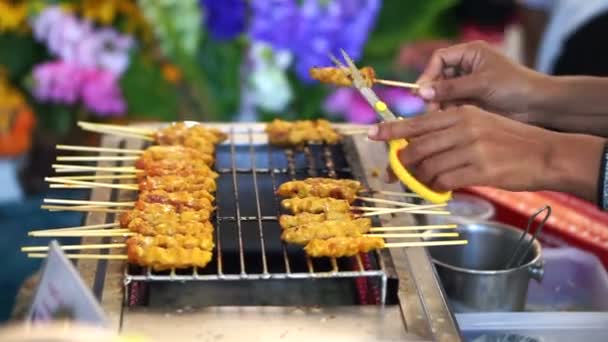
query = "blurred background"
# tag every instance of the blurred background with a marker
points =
(122, 61)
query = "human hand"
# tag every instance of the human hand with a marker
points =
(466, 146)
(488, 80)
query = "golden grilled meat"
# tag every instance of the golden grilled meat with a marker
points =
(200, 199)
(290, 221)
(296, 133)
(161, 259)
(341, 77)
(304, 233)
(203, 240)
(177, 168)
(158, 214)
(198, 137)
(172, 183)
(321, 187)
(338, 247)
(316, 205)
(169, 227)
(166, 154)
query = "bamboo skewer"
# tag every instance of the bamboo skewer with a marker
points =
(385, 201)
(397, 84)
(415, 211)
(105, 227)
(98, 149)
(92, 184)
(81, 233)
(413, 228)
(387, 245)
(95, 177)
(75, 247)
(84, 256)
(79, 228)
(114, 131)
(89, 208)
(97, 158)
(402, 209)
(71, 186)
(129, 129)
(412, 235)
(395, 193)
(79, 168)
(86, 202)
(425, 243)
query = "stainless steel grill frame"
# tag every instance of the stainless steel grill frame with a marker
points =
(247, 140)
(422, 305)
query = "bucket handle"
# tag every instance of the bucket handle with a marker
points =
(515, 260)
(537, 271)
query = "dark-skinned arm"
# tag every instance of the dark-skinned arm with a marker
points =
(466, 146)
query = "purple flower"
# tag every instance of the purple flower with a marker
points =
(313, 29)
(274, 22)
(75, 41)
(358, 18)
(45, 21)
(113, 50)
(225, 19)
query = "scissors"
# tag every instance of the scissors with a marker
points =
(394, 145)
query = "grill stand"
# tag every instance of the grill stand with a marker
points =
(422, 313)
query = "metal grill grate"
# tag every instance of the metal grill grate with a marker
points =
(248, 244)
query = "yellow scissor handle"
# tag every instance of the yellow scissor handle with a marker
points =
(406, 178)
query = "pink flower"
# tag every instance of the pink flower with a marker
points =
(101, 93)
(66, 83)
(57, 82)
(77, 42)
(348, 103)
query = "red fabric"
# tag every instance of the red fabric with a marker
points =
(576, 221)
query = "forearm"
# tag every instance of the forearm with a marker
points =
(571, 95)
(573, 165)
(572, 103)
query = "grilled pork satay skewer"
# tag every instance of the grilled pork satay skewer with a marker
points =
(318, 248)
(297, 133)
(327, 205)
(196, 200)
(346, 247)
(195, 136)
(341, 77)
(328, 187)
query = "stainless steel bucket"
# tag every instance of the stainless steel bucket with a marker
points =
(474, 275)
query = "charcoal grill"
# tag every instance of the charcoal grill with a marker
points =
(254, 273)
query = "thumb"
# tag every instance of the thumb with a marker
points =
(459, 88)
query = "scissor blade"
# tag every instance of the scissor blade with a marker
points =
(355, 74)
(336, 61)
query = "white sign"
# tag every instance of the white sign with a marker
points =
(61, 293)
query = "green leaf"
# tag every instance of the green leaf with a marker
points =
(147, 93)
(401, 21)
(308, 98)
(19, 53)
(221, 62)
